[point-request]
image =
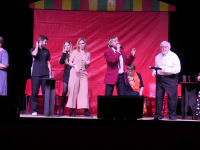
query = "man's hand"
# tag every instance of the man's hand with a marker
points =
(133, 51)
(118, 48)
(36, 44)
(198, 78)
(162, 70)
(153, 74)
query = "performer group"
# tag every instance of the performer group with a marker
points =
(75, 77)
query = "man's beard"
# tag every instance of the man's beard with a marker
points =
(164, 53)
(43, 46)
(114, 47)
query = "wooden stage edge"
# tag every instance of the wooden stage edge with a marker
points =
(146, 121)
(95, 117)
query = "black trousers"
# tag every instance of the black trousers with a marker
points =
(170, 85)
(36, 81)
(120, 86)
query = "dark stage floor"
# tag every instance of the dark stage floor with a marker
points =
(41, 132)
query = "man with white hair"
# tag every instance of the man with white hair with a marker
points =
(167, 80)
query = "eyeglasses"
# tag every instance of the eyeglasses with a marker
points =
(164, 47)
(130, 71)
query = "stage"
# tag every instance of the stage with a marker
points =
(55, 132)
(179, 118)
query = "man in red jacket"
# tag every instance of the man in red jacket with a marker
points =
(116, 60)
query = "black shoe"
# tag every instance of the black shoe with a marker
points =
(61, 112)
(73, 113)
(157, 118)
(172, 118)
(87, 114)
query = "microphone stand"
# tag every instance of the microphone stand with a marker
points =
(156, 84)
(156, 68)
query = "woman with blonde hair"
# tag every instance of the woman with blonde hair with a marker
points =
(67, 51)
(78, 81)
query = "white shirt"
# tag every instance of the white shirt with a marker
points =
(121, 67)
(170, 62)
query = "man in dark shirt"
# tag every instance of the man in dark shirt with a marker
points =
(40, 70)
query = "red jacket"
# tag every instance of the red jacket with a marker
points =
(112, 65)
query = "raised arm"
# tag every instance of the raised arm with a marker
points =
(131, 57)
(35, 51)
(129, 60)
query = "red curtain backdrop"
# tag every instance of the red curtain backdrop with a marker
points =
(141, 30)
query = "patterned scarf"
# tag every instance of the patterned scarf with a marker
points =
(134, 82)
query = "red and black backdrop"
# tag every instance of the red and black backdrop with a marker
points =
(142, 30)
(142, 27)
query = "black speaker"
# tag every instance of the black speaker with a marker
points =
(9, 106)
(120, 107)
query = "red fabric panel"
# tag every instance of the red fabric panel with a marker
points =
(120, 5)
(151, 107)
(142, 30)
(57, 4)
(172, 8)
(146, 5)
(84, 4)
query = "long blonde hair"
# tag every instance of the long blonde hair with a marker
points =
(70, 51)
(77, 44)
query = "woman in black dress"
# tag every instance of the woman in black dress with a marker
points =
(67, 50)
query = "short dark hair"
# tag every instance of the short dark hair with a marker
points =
(42, 38)
(131, 67)
(1, 40)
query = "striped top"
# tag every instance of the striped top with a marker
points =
(104, 5)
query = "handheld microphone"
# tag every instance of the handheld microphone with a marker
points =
(121, 47)
(156, 68)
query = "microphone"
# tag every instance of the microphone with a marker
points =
(121, 47)
(156, 68)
